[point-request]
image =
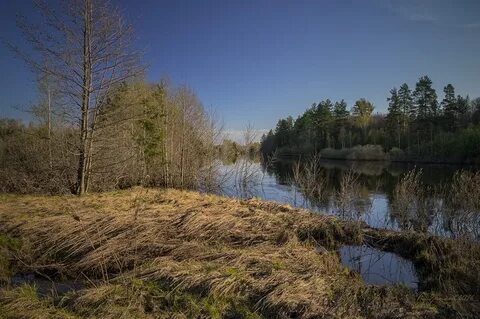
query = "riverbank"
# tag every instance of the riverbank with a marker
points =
(148, 253)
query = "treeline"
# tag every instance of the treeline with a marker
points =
(418, 126)
(147, 134)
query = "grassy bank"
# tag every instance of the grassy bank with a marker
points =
(170, 254)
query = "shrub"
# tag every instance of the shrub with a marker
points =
(331, 153)
(367, 152)
(357, 153)
(396, 154)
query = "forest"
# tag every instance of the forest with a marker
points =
(417, 127)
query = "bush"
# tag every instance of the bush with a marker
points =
(367, 152)
(357, 153)
(396, 154)
(331, 153)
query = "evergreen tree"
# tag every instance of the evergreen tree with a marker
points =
(323, 121)
(405, 101)
(283, 131)
(340, 111)
(463, 109)
(450, 110)
(475, 105)
(425, 99)
(341, 115)
(394, 116)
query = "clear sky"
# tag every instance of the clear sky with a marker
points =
(256, 60)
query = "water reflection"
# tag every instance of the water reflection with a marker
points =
(364, 191)
(46, 287)
(379, 268)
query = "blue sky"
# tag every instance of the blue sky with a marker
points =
(255, 61)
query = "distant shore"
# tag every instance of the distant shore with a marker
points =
(374, 153)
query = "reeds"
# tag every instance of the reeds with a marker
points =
(309, 177)
(411, 205)
(462, 209)
(348, 194)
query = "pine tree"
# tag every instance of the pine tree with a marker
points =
(340, 111)
(283, 131)
(394, 116)
(463, 109)
(341, 115)
(406, 103)
(323, 120)
(425, 99)
(450, 109)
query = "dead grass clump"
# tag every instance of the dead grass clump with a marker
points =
(24, 303)
(330, 233)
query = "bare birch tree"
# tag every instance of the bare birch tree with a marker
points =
(89, 49)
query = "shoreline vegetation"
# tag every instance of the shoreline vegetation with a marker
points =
(150, 253)
(417, 127)
(371, 153)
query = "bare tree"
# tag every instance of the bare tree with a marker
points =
(88, 46)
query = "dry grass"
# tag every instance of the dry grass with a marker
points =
(24, 303)
(185, 254)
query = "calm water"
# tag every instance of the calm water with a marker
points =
(372, 200)
(379, 268)
(47, 287)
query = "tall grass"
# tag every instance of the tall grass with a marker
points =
(463, 204)
(309, 177)
(348, 194)
(410, 203)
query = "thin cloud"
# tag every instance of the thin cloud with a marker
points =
(414, 10)
(430, 11)
(471, 25)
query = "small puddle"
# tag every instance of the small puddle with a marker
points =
(47, 287)
(378, 267)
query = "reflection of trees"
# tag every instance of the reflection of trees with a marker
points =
(434, 201)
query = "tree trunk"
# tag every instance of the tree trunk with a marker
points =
(49, 127)
(87, 82)
(165, 147)
(182, 160)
